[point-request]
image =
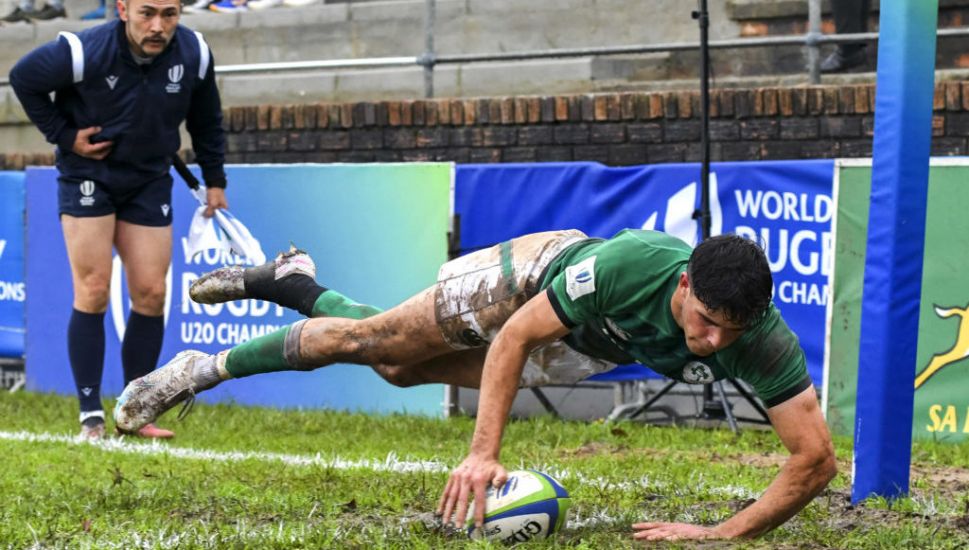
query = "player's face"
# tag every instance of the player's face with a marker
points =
(706, 331)
(149, 24)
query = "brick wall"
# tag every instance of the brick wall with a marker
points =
(615, 129)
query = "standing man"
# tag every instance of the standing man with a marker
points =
(547, 308)
(850, 17)
(120, 91)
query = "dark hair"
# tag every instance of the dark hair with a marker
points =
(729, 274)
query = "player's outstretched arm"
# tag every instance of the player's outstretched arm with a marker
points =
(533, 325)
(801, 427)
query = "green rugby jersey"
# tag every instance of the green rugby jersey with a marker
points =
(615, 296)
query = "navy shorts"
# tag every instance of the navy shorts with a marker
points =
(148, 204)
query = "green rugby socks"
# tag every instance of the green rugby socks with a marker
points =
(279, 351)
(333, 304)
(259, 355)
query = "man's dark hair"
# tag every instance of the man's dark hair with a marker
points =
(729, 274)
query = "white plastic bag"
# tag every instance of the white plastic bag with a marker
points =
(224, 232)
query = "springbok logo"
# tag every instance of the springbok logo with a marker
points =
(678, 219)
(959, 351)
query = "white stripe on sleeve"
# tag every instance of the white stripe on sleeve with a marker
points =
(77, 54)
(203, 54)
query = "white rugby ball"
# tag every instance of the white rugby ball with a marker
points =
(530, 505)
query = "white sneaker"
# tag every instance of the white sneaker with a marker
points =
(257, 5)
(299, 3)
(92, 425)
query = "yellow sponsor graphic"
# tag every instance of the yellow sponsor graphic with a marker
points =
(945, 418)
(959, 351)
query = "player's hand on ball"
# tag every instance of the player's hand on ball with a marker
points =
(672, 531)
(471, 479)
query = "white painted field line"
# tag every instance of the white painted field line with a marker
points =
(389, 464)
(125, 446)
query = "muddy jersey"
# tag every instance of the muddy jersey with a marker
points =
(615, 296)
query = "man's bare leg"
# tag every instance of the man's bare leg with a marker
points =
(458, 368)
(88, 242)
(404, 335)
(146, 253)
(288, 280)
(401, 341)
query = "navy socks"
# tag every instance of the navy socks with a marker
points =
(142, 345)
(85, 348)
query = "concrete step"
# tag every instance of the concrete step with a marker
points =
(395, 28)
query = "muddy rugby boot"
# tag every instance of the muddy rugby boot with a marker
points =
(236, 282)
(146, 398)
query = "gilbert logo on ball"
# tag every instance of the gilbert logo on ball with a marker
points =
(530, 505)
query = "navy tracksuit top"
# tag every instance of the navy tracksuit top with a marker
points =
(96, 82)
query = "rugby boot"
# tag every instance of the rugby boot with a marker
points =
(236, 282)
(92, 426)
(146, 398)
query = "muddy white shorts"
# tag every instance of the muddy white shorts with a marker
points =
(476, 294)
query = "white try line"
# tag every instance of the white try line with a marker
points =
(155, 447)
(389, 464)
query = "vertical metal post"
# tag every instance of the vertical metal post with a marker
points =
(712, 407)
(430, 10)
(704, 18)
(813, 47)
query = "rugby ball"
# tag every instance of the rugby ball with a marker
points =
(530, 505)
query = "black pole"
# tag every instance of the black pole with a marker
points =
(703, 16)
(712, 408)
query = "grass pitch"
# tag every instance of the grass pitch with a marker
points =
(240, 477)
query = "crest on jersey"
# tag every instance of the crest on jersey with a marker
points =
(580, 279)
(696, 372)
(175, 74)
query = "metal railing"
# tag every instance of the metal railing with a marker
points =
(812, 42)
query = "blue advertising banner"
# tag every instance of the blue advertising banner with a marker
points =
(13, 290)
(785, 205)
(359, 222)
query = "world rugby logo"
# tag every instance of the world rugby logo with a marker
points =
(121, 303)
(175, 74)
(678, 219)
(87, 190)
